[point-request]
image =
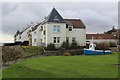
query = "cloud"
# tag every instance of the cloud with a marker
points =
(92, 19)
(98, 17)
(6, 38)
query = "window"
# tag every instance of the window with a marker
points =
(54, 28)
(44, 39)
(67, 39)
(29, 31)
(41, 28)
(66, 26)
(41, 40)
(34, 40)
(56, 39)
(44, 32)
(73, 39)
(58, 28)
(34, 32)
(56, 18)
(70, 28)
(19, 37)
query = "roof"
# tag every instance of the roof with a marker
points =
(100, 36)
(111, 31)
(54, 16)
(76, 23)
(35, 27)
(18, 32)
(25, 29)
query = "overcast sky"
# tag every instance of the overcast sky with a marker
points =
(97, 16)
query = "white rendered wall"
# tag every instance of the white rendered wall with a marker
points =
(103, 40)
(79, 34)
(24, 35)
(38, 35)
(50, 33)
(18, 38)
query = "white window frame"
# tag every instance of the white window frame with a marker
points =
(35, 39)
(56, 40)
(56, 28)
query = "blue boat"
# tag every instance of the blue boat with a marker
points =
(92, 51)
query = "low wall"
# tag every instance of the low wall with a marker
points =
(61, 52)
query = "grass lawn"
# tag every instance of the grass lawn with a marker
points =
(92, 66)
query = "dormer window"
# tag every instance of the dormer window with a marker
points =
(34, 32)
(41, 28)
(70, 28)
(56, 18)
(66, 26)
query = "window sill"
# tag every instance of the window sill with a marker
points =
(57, 32)
(57, 43)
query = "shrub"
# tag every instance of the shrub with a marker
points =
(66, 53)
(76, 51)
(11, 53)
(50, 46)
(74, 45)
(65, 45)
(32, 51)
(102, 46)
(112, 44)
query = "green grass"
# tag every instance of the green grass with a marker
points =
(93, 66)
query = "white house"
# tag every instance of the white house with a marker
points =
(54, 29)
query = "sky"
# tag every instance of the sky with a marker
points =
(97, 16)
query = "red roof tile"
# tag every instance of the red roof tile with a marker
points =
(100, 36)
(77, 23)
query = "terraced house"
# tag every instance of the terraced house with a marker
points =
(54, 29)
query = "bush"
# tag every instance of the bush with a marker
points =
(65, 45)
(50, 46)
(74, 45)
(112, 44)
(11, 53)
(66, 53)
(32, 51)
(102, 46)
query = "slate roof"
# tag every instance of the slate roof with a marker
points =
(112, 30)
(18, 32)
(100, 36)
(35, 27)
(54, 16)
(76, 23)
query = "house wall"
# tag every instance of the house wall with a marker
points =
(79, 34)
(102, 40)
(50, 33)
(17, 38)
(24, 35)
(41, 39)
(38, 35)
(34, 36)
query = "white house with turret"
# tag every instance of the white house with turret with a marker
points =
(54, 29)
